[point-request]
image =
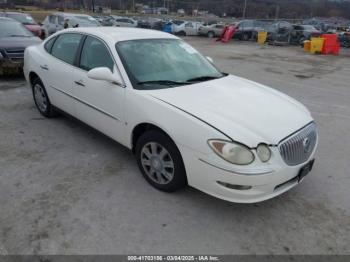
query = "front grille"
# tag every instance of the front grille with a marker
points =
(15, 54)
(297, 148)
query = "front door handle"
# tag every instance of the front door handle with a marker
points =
(45, 67)
(79, 83)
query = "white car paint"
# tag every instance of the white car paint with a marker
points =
(187, 28)
(230, 108)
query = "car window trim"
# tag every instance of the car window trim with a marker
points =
(47, 41)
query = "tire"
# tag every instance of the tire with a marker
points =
(160, 161)
(41, 99)
(211, 34)
(301, 41)
(245, 37)
(182, 33)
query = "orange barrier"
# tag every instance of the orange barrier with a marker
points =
(307, 45)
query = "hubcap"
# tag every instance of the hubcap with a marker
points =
(157, 163)
(40, 97)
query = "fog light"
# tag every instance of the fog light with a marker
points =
(235, 187)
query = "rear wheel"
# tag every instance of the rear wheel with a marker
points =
(301, 41)
(211, 34)
(160, 161)
(42, 100)
(182, 33)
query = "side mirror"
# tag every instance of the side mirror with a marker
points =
(105, 74)
(210, 59)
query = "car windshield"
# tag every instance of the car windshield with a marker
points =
(88, 20)
(13, 29)
(177, 22)
(159, 63)
(23, 18)
(309, 28)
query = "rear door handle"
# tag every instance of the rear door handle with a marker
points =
(44, 67)
(79, 83)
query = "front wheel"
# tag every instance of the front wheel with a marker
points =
(160, 161)
(245, 37)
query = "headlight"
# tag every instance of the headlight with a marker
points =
(232, 152)
(264, 152)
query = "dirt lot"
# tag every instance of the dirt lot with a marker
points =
(67, 189)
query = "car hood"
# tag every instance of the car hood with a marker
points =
(243, 110)
(18, 42)
(33, 27)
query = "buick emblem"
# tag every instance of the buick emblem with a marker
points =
(307, 145)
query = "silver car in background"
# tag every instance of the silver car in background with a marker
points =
(123, 21)
(55, 22)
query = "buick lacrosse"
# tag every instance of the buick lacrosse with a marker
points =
(186, 122)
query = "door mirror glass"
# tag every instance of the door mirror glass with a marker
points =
(210, 59)
(105, 74)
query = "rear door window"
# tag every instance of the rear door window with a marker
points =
(48, 45)
(52, 19)
(60, 20)
(66, 46)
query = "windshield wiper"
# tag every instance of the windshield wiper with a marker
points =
(203, 78)
(19, 36)
(162, 82)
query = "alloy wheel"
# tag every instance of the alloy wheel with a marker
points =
(40, 97)
(157, 163)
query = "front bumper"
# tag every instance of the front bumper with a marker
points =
(9, 66)
(264, 181)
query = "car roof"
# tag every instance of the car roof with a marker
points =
(70, 14)
(15, 13)
(7, 19)
(117, 34)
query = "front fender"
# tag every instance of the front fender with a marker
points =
(183, 128)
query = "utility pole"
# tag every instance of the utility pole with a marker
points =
(244, 8)
(93, 6)
(277, 12)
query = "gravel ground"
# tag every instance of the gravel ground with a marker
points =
(67, 189)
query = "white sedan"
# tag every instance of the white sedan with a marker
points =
(186, 122)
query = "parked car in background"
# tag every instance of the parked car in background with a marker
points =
(247, 29)
(279, 32)
(320, 25)
(344, 39)
(211, 31)
(124, 21)
(285, 32)
(103, 20)
(27, 20)
(177, 25)
(188, 28)
(14, 39)
(300, 33)
(185, 121)
(55, 22)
